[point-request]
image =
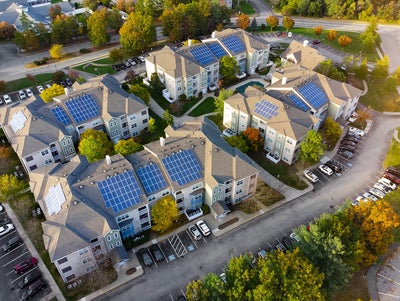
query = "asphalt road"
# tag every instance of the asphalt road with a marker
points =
(159, 283)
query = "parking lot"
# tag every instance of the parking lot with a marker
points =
(17, 254)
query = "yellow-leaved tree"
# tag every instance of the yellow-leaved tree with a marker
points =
(48, 94)
(164, 213)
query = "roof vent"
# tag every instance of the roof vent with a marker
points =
(202, 142)
(162, 141)
(75, 202)
(192, 145)
(115, 173)
(108, 160)
(80, 186)
(46, 109)
(216, 149)
(91, 183)
(108, 176)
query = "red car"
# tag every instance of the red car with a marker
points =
(392, 178)
(25, 265)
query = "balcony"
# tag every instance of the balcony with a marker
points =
(212, 87)
(167, 96)
(273, 158)
(192, 214)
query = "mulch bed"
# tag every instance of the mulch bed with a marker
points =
(228, 223)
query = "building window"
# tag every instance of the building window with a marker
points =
(144, 121)
(67, 269)
(33, 167)
(30, 158)
(144, 113)
(142, 208)
(145, 225)
(134, 125)
(239, 182)
(111, 246)
(109, 238)
(125, 124)
(117, 243)
(126, 133)
(62, 260)
(48, 161)
(239, 191)
(70, 277)
(83, 251)
(143, 216)
(115, 234)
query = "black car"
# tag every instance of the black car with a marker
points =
(280, 247)
(33, 289)
(5, 221)
(350, 138)
(12, 244)
(334, 167)
(278, 34)
(157, 255)
(288, 242)
(29, 278)
(347, 148)
(346, 154)
(347, 142)
(115, 68)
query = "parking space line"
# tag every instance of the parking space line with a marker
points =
(23, 275)
(15, 258)
(151, 255)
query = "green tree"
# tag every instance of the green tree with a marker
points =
(370, 38)
(56, 51)
(26, 40)
(164, 213)
(116, 55)
(254, 139)
(54, 11)
(332, 131)
(10, 186)
(137, 33)
(311, 148)
(210, 288)
(331, 35)
(220, 100)
(48, 94)
(228, 67)
(63, 29)
(58, 76)
(253, 25)
(287, 22)
(95, 145)
(167, 117)
(361, 71)
(141, 92)
(97, 27)
(272, 22)
(243, 21)
(318, 30)
(155, 82)
(42, 34)
(127, 147)
(329, 69)
(381, 69)
(238, 141)
(152, 125)
(114, 20)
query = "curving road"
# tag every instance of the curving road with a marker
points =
(159, 283)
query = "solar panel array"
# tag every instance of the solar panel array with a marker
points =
(314, 95)
(18, 121)
(182, 167)
(61, 115)
(266, 109)
(234, 44)
(121, 191)
(298, 102)
(151, 178)
(54, 199)
(217, 50)
(82, 108)
(203, 54)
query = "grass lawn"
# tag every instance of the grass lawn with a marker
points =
(217, 119)
(357, 289)
(393, 154)
(353, 48)
(23, 83)
(281, 171)
(380, 97)
(246, 8)
(207, 106)
(96, 70)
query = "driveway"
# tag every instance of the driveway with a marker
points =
(210, 258)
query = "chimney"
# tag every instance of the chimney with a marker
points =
(189, 42)
(162, 141)
(66, 91)
(305, 43)
(213, 35)
(108, 160)
(284, 80)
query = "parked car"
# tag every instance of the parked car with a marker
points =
(29, 278)
(4, 220)
(25, 265)
(377, 193)
(290, 34)
(1, 208)
(350, 138)
(337, 169)
(33, 289)
(389, 184)
(394, 179)
(346, 154)
(6, 229)
(68, 81)
(21, 95)
(347, 142)
(127, 64)
(29, 92)
(316, 42)
(356, 131)
(203, 228)
(381, 187)
(195, 232)
(40, 89)
(370, 196)
(147, 259)
(278, 33)
(280, 247)
(294, 237)
(262, 253)
(47, 86)
(325, 169)
(158, 256)
(7, 99)
(287, 241)
(284, 34)
(394, 171)
(361, 198)
(12, 244)
(115, 68)
(348, 148)
(310, 176)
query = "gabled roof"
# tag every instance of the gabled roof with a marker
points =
(303, 55)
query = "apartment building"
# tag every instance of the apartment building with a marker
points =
(282, 126)
(43, 134)
(195, 68)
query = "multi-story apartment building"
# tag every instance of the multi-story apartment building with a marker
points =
(91, 208)
(43, 134)
(195, 68)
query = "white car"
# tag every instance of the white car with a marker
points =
(361, 198)
(29, 92)
(389, 184)
(310, 176)
(370, 196)
(290, 34)
(7, 99)
(47, 86)
(294, 237)
(21, 95)
(6, 229)
(356, 131)
(40, 89)
(195, 232)
(203, 228)
(381, 187)
(376, 192)
(325, 169)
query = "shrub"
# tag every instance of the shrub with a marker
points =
(205, 209)
(84, 50)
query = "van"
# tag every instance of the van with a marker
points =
(12, 244)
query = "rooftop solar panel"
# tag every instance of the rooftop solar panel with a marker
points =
(266, 109)
(202, 54)
(121, 191)
(151, 178)
(217, 50)
(313, 95)
(61, 115)
(82, 108)
(298, 102)
(234, 44)
(182, 167)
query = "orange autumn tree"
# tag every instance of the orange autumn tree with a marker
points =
(243, 21)
(331, 35)
(344, 40)
(254, 139)
(376, 222)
